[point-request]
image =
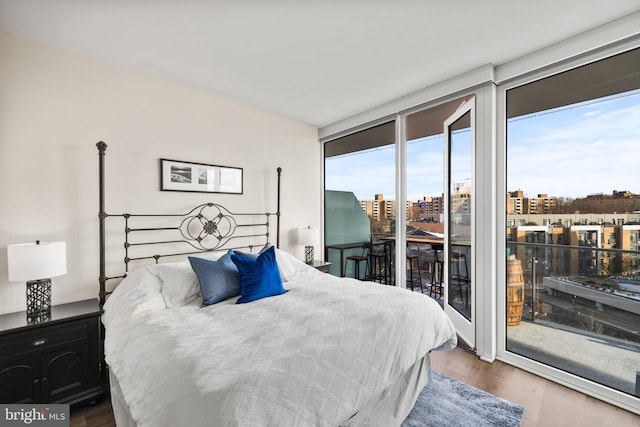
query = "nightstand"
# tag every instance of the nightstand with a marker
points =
(56, 360)
(323, 266)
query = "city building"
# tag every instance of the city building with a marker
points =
(517, 203)
(608, 248)
(378, 209)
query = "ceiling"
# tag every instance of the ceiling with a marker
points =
(316, 61)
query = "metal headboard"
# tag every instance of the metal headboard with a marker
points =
(206, 227)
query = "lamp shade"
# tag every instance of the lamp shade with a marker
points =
(306, 236)
(39, 260)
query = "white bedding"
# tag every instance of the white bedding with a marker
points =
(310, 357)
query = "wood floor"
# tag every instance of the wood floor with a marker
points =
(548, 404)
(99, 415)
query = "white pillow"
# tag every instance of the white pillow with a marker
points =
(180, 284)
(137, 294)
(288, 264)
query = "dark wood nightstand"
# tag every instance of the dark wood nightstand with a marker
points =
(323, 266)
(56, 360)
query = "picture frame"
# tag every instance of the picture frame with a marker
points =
(176, 175)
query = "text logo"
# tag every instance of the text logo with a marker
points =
(34, 415)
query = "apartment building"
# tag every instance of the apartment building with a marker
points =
(378, 208)
(517, 203)
(607, 247)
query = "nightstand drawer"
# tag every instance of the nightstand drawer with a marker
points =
(47, 337)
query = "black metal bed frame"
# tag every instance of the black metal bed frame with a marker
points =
(206, 227)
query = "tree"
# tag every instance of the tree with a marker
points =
(377, 227)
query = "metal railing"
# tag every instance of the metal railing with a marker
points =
(584, 280)
(591, 293)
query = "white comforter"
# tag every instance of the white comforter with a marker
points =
(310, 357)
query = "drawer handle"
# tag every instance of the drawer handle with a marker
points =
(39, 342)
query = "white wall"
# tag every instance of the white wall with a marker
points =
(55, 105)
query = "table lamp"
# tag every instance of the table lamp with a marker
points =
(307, 238)
(36, 263)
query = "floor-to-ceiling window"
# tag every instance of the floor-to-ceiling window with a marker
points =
(425, 209)
(414, 166)
(360, 203)
(425, 198)
(572, 214)
(563, 249)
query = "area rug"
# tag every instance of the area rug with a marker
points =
(449, 402)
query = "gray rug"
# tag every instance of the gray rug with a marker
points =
(448, 402)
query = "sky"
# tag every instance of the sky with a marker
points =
(586, 148)
(371, 172)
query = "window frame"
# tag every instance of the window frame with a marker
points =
(564, 378)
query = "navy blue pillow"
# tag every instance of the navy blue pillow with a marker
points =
(219, 280)
(260, 277)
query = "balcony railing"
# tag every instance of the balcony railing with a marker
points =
(583, 305)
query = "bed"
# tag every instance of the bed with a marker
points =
(320, 351)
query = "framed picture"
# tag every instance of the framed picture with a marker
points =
(199, 177)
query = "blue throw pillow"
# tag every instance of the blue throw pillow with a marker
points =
(219, 280)
(252, 255)
(260, 277)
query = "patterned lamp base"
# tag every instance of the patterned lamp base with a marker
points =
(39, 298)
(308, 254)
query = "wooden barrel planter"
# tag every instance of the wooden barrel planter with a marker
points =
(515, 291)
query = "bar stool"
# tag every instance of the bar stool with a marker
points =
(380, 263)
(357, 259)
(435, 288)
(390, 250)
(460, 277)
(411, 257)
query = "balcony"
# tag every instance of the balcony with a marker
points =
(581, 312)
